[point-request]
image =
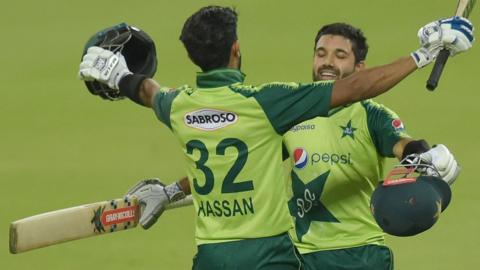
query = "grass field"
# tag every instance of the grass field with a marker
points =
(61, 147)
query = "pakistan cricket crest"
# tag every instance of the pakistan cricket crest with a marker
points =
(348, 130)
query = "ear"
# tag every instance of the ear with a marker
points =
(235, 51)
(234, 55)
(360, 66)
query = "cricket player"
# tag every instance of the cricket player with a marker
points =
(338, 161)
(231, 134)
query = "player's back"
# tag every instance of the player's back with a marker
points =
(232, 146)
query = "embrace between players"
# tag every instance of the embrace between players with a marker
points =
(233, 136)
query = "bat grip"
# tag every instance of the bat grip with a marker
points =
(437, 69)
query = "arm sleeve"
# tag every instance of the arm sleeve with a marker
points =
(162, 104)
(385, 127)
(287, 104)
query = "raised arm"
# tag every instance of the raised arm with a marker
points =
(111, 69)
(371, 82)
(455, 34)
(139, 89)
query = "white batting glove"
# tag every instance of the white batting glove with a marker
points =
(457, 34)
(104, 66)
(153, 197)
(441, 158)
(430, 41)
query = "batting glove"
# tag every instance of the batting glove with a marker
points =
(457, 34)
(443, 160)
(454, 34)
(440, 160)
(430, 41)
(153, 197)
(104, 66)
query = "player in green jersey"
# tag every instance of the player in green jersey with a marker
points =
(338, 161)
(231, 135)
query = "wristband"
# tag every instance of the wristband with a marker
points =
(174, 192)
(415, 147)
(129, 86)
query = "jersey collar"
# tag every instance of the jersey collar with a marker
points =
(219, 77)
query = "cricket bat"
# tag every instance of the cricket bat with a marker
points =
(464, 7)
(77, 222)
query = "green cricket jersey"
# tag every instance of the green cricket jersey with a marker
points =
(231, 135)
(336, 164)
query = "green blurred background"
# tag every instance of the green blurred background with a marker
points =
(61, 147)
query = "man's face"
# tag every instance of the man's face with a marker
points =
(334, 58)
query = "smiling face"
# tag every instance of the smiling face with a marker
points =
(334, 58)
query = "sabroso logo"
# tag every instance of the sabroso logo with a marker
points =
(300, 157)
(209, 119)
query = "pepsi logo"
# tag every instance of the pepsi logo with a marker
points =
(300, 158)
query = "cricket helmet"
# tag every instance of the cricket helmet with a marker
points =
(409, 205)
(134, 44)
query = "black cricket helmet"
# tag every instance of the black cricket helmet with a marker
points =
(405, 204)
(134, 44)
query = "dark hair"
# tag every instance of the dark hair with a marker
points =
(355, 35)
(208, 36)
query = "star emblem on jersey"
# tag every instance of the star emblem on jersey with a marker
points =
(305, 205)
(348, 130)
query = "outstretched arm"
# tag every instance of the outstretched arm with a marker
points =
(456, 34)
(371, 82)
(110, 68)
(147, 90)
(139, 89)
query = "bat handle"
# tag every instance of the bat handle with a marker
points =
(437, 69)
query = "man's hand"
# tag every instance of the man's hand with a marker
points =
(153, 197)
(430, 44)
(104, 66)
(455, 34)
(441, 158)
(443, 163)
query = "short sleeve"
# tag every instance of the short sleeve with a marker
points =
(385, 127)
(162, 104)
(288, 104)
